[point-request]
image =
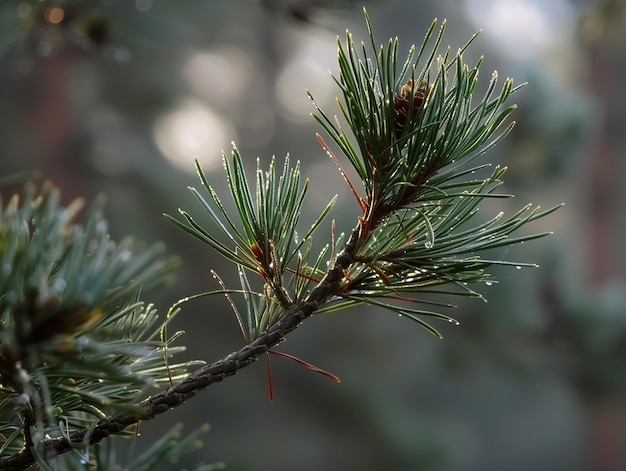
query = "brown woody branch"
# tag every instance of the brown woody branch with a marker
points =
(202, 378)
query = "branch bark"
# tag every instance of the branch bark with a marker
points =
(202, 378)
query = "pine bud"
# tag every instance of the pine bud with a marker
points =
(408, 104)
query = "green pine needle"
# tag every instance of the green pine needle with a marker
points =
(263, 239)
(76, 342)
(413, 134)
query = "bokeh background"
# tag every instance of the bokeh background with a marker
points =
(119, 96)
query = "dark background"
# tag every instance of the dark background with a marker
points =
(120, 96)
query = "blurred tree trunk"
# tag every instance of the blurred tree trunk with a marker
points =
(606, 66)
(50, 121)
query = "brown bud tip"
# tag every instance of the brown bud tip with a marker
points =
(408, 103)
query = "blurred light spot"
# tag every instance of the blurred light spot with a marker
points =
(109, 155)
(305, 71)
(143, 5)
(113, 147)
(523, 28)
(44, 48)
(227, 78)
(24, 10)
(108, 159)
(593, 29)
(221, 76)
(122, 54)
(54, 15)
(192, 131)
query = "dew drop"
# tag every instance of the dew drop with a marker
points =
(428, 244)
(488, 283)
(59, 284)
(125, 255)
(518, 267)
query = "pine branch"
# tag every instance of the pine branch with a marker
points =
(418, 137)
(201, 379)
